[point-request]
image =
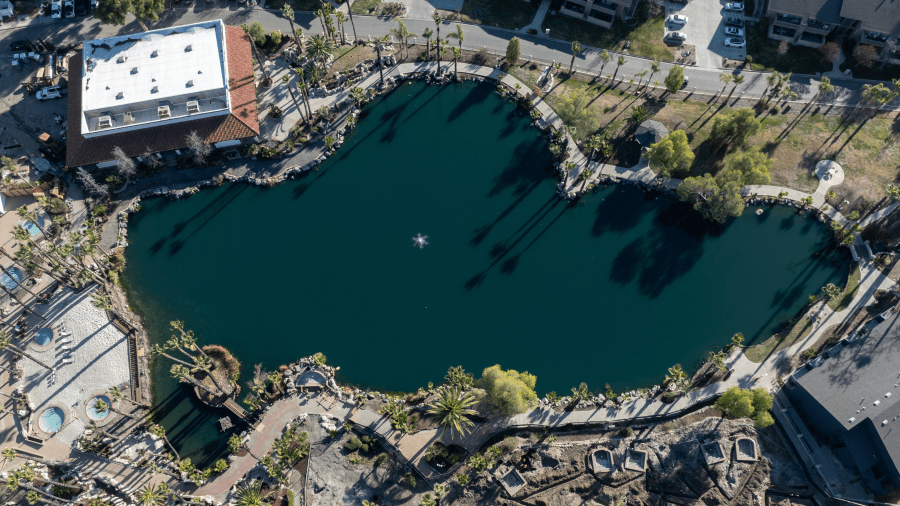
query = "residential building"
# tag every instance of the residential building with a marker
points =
(850, 399)
(148, 91)
(809, 22)
(599, 12)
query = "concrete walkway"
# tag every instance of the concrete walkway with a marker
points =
(538, 18)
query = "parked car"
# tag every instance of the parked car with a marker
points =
(678, 36)
(56, 10)
(731, 30)
(734, 21)
(49, 92)
(735, 42)
(69, 9)
(684, 83)
(17, 45)
(734, 6)
(81, 8)
(678, 19)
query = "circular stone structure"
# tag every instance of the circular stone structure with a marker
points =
(829, 174)
(11, 281)
(91, 411)
(44, 336)
(52, 419)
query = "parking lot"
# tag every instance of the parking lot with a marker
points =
(705, 29)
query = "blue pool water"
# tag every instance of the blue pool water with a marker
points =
(43, 336)
(92, 412)
(32, 228)
(10, 283)
(51, 419)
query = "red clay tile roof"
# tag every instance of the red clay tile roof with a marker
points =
(241, 123)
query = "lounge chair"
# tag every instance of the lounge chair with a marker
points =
(64, 348)
(67, 360)
(65, 334)
(64, 341)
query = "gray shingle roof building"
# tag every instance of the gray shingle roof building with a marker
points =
(851, 400)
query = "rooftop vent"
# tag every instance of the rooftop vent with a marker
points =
(887, 394)
(163, 111)
(190, 83)
(884, 423)
(193, 106)
(105, 122)
(188, 49)
(154, 54)
(134, 70)
(121, 59)
(129, 119)
(120, 96)
(154, 89)
(876, 403)
(852, 419)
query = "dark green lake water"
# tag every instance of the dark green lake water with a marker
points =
(613, 291)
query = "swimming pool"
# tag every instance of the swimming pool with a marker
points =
(91, 408)
(43, 336)
(32, 228)
(11, 283)
(51, 419)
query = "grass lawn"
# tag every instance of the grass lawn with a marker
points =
(347, 56)
(780, 341)
(365, 6)
(509, 14)
(849, 293)
(869, 152)
(297, 5)
(798, 59)
(645, 37)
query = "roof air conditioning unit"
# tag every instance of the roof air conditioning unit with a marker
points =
(105, 122)
(193, 106)
(154, 89)
(134, 70)
(121, 59)
(188, 49)
(190, 83)
(154, 54)
(163, 111)
(129, 119)
(120, 96)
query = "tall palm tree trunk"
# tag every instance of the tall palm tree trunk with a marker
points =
(26, 355)
(14, 279)
(24, 306)
(350, 12)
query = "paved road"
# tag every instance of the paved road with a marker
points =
(703, 80)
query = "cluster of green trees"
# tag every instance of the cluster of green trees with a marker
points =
(186, 369)
(754, 404)
(510, 391)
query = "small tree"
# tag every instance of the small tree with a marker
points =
(755, 404)
(830, 51)
(736, 126)
(831, 291)
(672, 155)
(510, 392)
(125, 164)
(577, 48)
(150, 158)
(512, 51)
(737, 339)
(865, 55)
(198, 147)
(675, 80)
(783, 48)
(91, 186)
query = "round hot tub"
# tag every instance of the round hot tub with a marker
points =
(52, 419)
(11, 281)
(43, 336)
(93, 413)
(33, 229)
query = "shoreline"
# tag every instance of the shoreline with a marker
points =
(644, 179)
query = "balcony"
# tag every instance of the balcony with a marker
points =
(818, 25)
(601, 16)
(813, 40)
(603, 6)
(575, 8)
(786, 18)
(783, 32)
(875, 38)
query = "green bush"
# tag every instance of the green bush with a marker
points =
(754, 404)
(510, 392)
(626, 432)
(363, 444)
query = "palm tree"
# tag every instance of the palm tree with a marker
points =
(453, 407)
(619, 63)
(288, 13)
(341, 19)
(654, 68)
(456, 54)
(773, 79)
(16, 281)
(275, 378)
(576, 49)
(725, 77)
(403, 34)
(640, 75)
(115, 394)
(594, 142)
(718, 360)
(304, 90)
(427, 33)
(738, 79)
(437, 40)
(677, 375)
(427, 500)
(604, 57)
(458, 35)
(249, 495)
(8, 454)
(585, 175)
(831, 291)
(268, 81)
(4, 343)
(378, 42)
(330, 23)
(352, 25)
(357, 95)
(893, 191)
(152, 495)
(638, 115)
(287, 81)
(183, 374)
(321, 15)
(189, 341)
(318, 47)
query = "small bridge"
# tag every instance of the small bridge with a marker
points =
(238, 411)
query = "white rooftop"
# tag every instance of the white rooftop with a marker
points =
(129, 73)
